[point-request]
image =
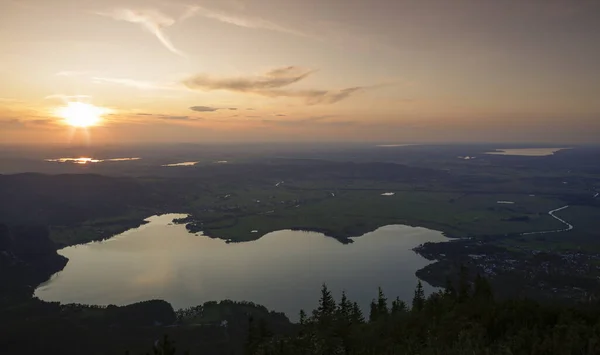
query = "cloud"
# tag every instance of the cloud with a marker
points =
(279, 115)
(139, 84)
(179, 118)
(315, 97)
(210, 109)
(239, 20)
(17, 122)
(10, 122)
(9, 100)
(151, 20)
(272, 84)
(313, 120)
(170, 117)
(95, 78)
(66, 97)
(276, 78)
(73, 73)
(203, 109)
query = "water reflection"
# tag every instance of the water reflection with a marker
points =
(87, 160)
(532, 152)
(283, 270)
(187, 163)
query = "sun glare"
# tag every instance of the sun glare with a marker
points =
(80, 114)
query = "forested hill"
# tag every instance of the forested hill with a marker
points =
(37, 199)
(465, 320)
(27, 258)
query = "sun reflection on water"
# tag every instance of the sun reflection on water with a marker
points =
(87, 160)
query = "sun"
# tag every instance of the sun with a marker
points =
(80, 114)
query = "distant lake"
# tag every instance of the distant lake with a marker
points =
(186, 163)
(283, 270)
(532, 152)
(87, 160)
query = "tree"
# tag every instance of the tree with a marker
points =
(302, 317)
(382, 309)
(483, 289)
(165, 347)
(263, 330)
(449, 291)
(399, 306)
(373, 314)
(344, 309)
(419, 297)
(357, 315)
(252, 338)
(325, 312)
(464, 288)
(257, 335)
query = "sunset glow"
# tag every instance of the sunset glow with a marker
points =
(79, 114)
(384, 72)
(82, 160)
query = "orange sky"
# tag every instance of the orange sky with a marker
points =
(302, 70)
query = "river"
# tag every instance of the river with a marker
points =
(551, 213)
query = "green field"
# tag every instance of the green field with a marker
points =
(343, 213)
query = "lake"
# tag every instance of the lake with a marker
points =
(86, 160)
(531, 152)
(283, 270)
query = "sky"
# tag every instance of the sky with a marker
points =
(232, 71)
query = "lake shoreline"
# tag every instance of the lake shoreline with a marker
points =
(95, 268)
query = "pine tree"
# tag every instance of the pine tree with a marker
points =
(464, 288)
(263, 330)
(344, 309)
(449, 291)
(382, 309)
(302, 317)
(373, 314)
(483, 289)
(419, 298)
(399, 306)
(357, 314)
(327, 307)
(252, 338)
(165, 347)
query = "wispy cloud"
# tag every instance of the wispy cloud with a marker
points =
(9, 100)
(73, 73)
(170, 117)
(313, 120)
(25, 5)
(315, 97)
(240, 20)
(272, 84)
(204, 109)
(151, 20)
(139, 84)
(276, 78)
(18, 122)
(211, 109)
(66, 97)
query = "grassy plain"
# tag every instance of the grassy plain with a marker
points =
(343, 212)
